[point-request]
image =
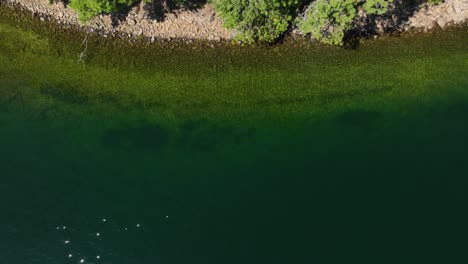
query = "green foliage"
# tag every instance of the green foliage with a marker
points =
(378, 7)
(87, 9)
(435, 2)
(263, 20)
(329, 20)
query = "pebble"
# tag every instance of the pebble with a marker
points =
(131, 21)
(442, 22)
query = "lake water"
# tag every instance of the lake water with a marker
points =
(252, 155)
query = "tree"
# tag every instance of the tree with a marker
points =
(257, 20)
(329, 20)
(87, 9)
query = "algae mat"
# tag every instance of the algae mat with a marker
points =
(187, 154)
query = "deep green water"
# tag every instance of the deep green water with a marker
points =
(286, 154)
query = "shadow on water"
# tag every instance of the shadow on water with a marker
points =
(191, 136)
(201, 135)
(64, 92)
(327, 192)
(359, 118)
(136, 137)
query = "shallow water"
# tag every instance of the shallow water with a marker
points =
(251, 155)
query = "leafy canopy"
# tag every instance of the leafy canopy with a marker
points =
(87, 9)
(329, 20)
(257, 20)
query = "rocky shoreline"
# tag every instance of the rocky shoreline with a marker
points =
(181, 24)
(202, 23)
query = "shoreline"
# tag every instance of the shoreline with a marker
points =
(132, 26)
(186, 25)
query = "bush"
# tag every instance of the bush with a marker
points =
(87, 9)
(262, 20)
(435, 2)
(329, 20)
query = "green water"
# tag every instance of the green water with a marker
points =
(285, 154)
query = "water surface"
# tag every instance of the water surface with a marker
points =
(287, 154)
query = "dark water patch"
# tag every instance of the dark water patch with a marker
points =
(358, 118)
(136, 137)
(12, 89)
(343, 93)
(14, 99)
(64, 92)
(48, 113)
(201, 135)
(284, 101)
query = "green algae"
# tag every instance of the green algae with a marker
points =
(227, 81)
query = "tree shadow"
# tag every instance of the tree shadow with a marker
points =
(400, 11)
(157, 9)
(65, 2)
(351, 40)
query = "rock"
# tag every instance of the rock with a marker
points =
(41, 18)
(457, 7)
(442, 22)
(131, 21)
(152, 39)
(60, 14)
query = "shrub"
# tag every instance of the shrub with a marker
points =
(329, 20)
(435, 2)
(263, 20)
(87, 9)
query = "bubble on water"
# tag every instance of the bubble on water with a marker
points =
(104, 220)
(98, 257)
(98, 234)
(82, 260)
(70, 255)
(67, 241)
(138, 225)
(64, 227)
